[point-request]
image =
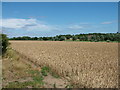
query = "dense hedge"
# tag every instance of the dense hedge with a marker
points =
(3, 43)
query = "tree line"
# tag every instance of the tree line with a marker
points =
(95, 37)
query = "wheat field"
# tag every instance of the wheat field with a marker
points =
(84, 64)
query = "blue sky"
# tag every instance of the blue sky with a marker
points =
(54, 18)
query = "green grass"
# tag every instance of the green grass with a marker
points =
(33, 72)
(33, 84)
(36, 83)
(39, 80)
(69, 86)
(45, 70)
(11, 54)
(37, 76)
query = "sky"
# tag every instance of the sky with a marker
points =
(55, 18)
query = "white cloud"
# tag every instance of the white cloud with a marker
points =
(17, 23)
(106, 22)
(75, 27)
(28, 24)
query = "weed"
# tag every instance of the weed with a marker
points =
(37, 82)
(44, 73)
(34, 72)
(54, 85)
(38, 79)
(69, 86)
(19, 84)
(45, 70)
(55, 75)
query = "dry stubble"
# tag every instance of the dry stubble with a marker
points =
(88, 64)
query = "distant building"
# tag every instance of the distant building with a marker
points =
(71, 39)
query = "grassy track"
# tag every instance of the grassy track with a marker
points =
(19, 73)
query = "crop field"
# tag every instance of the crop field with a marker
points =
(83, 64)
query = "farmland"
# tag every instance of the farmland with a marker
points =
(84, 64)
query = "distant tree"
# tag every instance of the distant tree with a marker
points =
(101, 37)
(45, 38)
(108, 40)
(93, 38)
(35, 38)
(85, 38)
(82, 37)
(62, 38)
(74, 38)
(68, 36)
(40, 38)
(56, 39)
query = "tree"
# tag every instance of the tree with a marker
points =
(101, 37)
(35, 38)
(81, 37)
(68, 36)
(93, 38)
(56, 39)
(40, 38)
(74, 38)
(45, 38)
(62, 38)
(4, 43)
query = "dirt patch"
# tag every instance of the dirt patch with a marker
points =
(52, 82)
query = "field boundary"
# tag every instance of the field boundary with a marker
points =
(51, 73)
(27, 59)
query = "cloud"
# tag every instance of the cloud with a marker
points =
(75, 27)
(106, 22)
(37, 17)
(27, 24)
(17, 23)
(35, 27)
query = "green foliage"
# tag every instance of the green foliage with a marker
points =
(19, 84)
(56, 38)
(33, 84)
(45, 70)
(69, 86)
(44, 73)
(74, 38)
(108, 40)
(62, 38)
(38, 79)
(34, 72)
(3, 43)
(54, 85)
(93, 37)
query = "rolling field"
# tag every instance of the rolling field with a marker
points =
(84, 64)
